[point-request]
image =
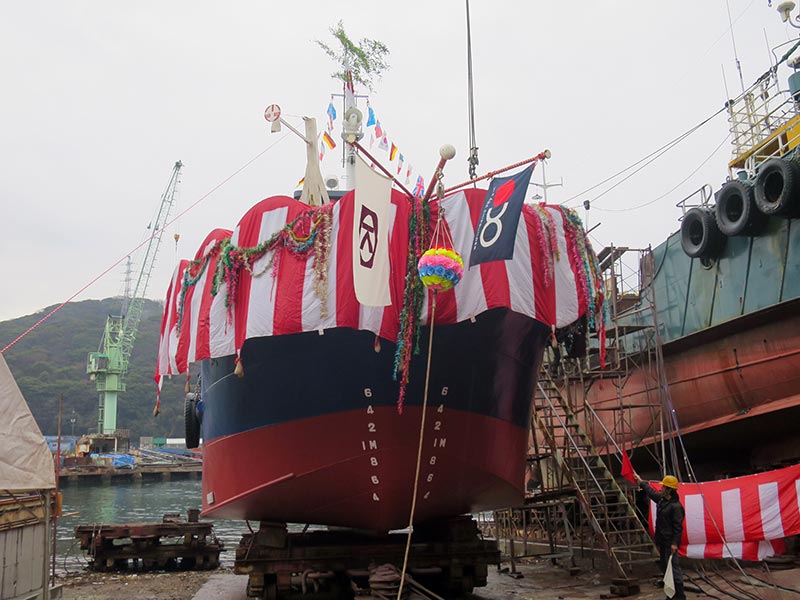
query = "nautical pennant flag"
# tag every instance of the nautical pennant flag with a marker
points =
(384, 143)
(392, 152)
(419, 188)
(400, 163)
(497, 225)
(301, 182)
(378, 130)
(371, 141)
(370, 115)
(408, 174)
(331, 115)
(627, 468)
(328, 140)
(321, 150)
(371, 222)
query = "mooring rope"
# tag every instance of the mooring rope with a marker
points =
(419, 450)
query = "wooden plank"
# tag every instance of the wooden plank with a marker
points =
(25, 557)
(9, 577)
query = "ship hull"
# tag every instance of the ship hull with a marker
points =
(734, 387)
(312, 432)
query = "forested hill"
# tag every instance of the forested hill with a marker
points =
(51, 361)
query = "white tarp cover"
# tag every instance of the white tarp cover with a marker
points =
(25, 459)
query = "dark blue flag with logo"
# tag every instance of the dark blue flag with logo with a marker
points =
(497, 226)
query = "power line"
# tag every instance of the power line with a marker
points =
(675, 187)
(656, 153)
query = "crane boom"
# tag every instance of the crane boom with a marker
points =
(109, 365)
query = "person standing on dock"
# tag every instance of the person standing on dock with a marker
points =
(669, 526)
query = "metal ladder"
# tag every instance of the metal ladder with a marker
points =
(613, 519)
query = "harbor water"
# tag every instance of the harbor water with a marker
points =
(132, 502)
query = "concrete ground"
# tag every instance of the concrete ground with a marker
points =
(541, 580)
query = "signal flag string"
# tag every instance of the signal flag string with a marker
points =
(145, 241)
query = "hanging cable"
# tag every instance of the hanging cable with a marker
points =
(656, 153)
(675, 187)
(152, 235)
(473, 144)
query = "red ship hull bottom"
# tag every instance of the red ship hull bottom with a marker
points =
(356, 468)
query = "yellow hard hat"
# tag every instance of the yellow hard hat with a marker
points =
(670, 481)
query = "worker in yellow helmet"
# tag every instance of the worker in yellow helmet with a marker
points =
(669, 526)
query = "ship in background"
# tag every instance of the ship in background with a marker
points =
(704, 329)
(310, 403)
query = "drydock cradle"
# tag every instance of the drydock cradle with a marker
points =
(151, 545)
(449, 557)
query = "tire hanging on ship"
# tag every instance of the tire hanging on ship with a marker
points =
(700, 236)
(778, 187)
(736, 212)
(191, 421)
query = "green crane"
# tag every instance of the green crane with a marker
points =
(108, 366)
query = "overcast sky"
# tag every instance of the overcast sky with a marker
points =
(99, 99)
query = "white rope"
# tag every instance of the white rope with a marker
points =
(419, 451)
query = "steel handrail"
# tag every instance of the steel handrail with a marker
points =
(572, 441)
(609, 437)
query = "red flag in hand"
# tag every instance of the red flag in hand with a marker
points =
(627, 468)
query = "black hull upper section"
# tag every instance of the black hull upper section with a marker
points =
(486, 367)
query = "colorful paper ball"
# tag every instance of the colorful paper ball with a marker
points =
(440, 268)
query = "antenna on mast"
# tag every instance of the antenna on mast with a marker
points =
(733, 41)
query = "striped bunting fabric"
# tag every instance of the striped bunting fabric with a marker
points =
(281, 301)
(744, 517)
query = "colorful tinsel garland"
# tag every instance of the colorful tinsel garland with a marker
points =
(413, 296)
(590, 282)
(308, 234)
(548, 240)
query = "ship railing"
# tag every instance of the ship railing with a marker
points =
(572, 441)
(758, 112)
(700, 198)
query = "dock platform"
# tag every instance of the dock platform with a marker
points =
(172, 544)
(104, 474)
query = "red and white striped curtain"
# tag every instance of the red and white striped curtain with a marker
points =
(744, 517)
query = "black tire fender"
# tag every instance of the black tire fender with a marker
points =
(736, 212)
(778, 187)
(700, 237)
(191, 421)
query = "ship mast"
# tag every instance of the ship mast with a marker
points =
(360, 62)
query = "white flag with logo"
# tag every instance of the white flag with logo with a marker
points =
(371, 215)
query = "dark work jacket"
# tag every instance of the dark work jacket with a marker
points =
(669, 517)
